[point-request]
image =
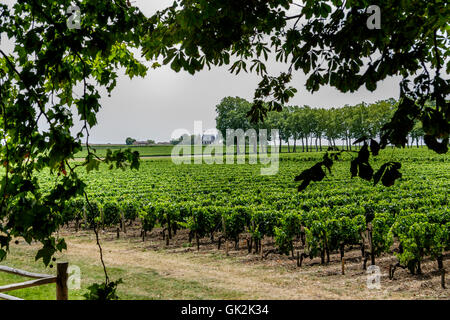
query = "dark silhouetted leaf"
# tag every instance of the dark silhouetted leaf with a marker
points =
(390, 176)
(354, 168)
(397, 130)
(374, 147)
(364, 154)
(377, 176)
(433, 144)
(327, 162)
(303, 186)
(365, 171)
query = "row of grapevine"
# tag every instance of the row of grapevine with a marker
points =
(234, 202)
(318, 232)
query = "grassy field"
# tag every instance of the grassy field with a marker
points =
(145, 151)
(140, 282)
(154, 151)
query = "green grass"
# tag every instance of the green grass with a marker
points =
(421, 153)
(22, 259)
(155, 151)
(45, 292)
(138, 283)
(150, 151)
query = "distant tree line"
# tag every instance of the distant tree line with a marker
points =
(310, 126)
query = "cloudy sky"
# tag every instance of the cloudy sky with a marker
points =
(153, 107)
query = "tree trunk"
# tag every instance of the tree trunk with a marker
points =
(342, 252)
(280, 146)
(440, 262)
(372, 251)
(168, 227)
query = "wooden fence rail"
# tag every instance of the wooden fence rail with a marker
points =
(40, 279)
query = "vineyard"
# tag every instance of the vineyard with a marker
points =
(233, 205)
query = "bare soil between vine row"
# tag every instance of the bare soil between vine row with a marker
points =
(247, 274)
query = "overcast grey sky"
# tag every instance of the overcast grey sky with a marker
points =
(153, 107)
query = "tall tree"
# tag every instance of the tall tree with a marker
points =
(231, 114)
(51, 69)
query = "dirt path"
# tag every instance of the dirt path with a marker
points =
(222, 274)
(277, 279)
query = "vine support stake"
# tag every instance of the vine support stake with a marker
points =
(226, 247)
(124, 228)
(85, 217)
(62, 291)
(372, 252)
(443, 278)
(224, 227)
(262, 248)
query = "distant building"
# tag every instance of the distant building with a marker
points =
(141, 143)
(208, 139)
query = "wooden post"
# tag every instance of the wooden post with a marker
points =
(225, 235)
(85, 217)
(197, 239)
(124, 228)
(443, 278)
(343, 266)
(102, 218)
(62, 291)
(372, 253)
(262, 248)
